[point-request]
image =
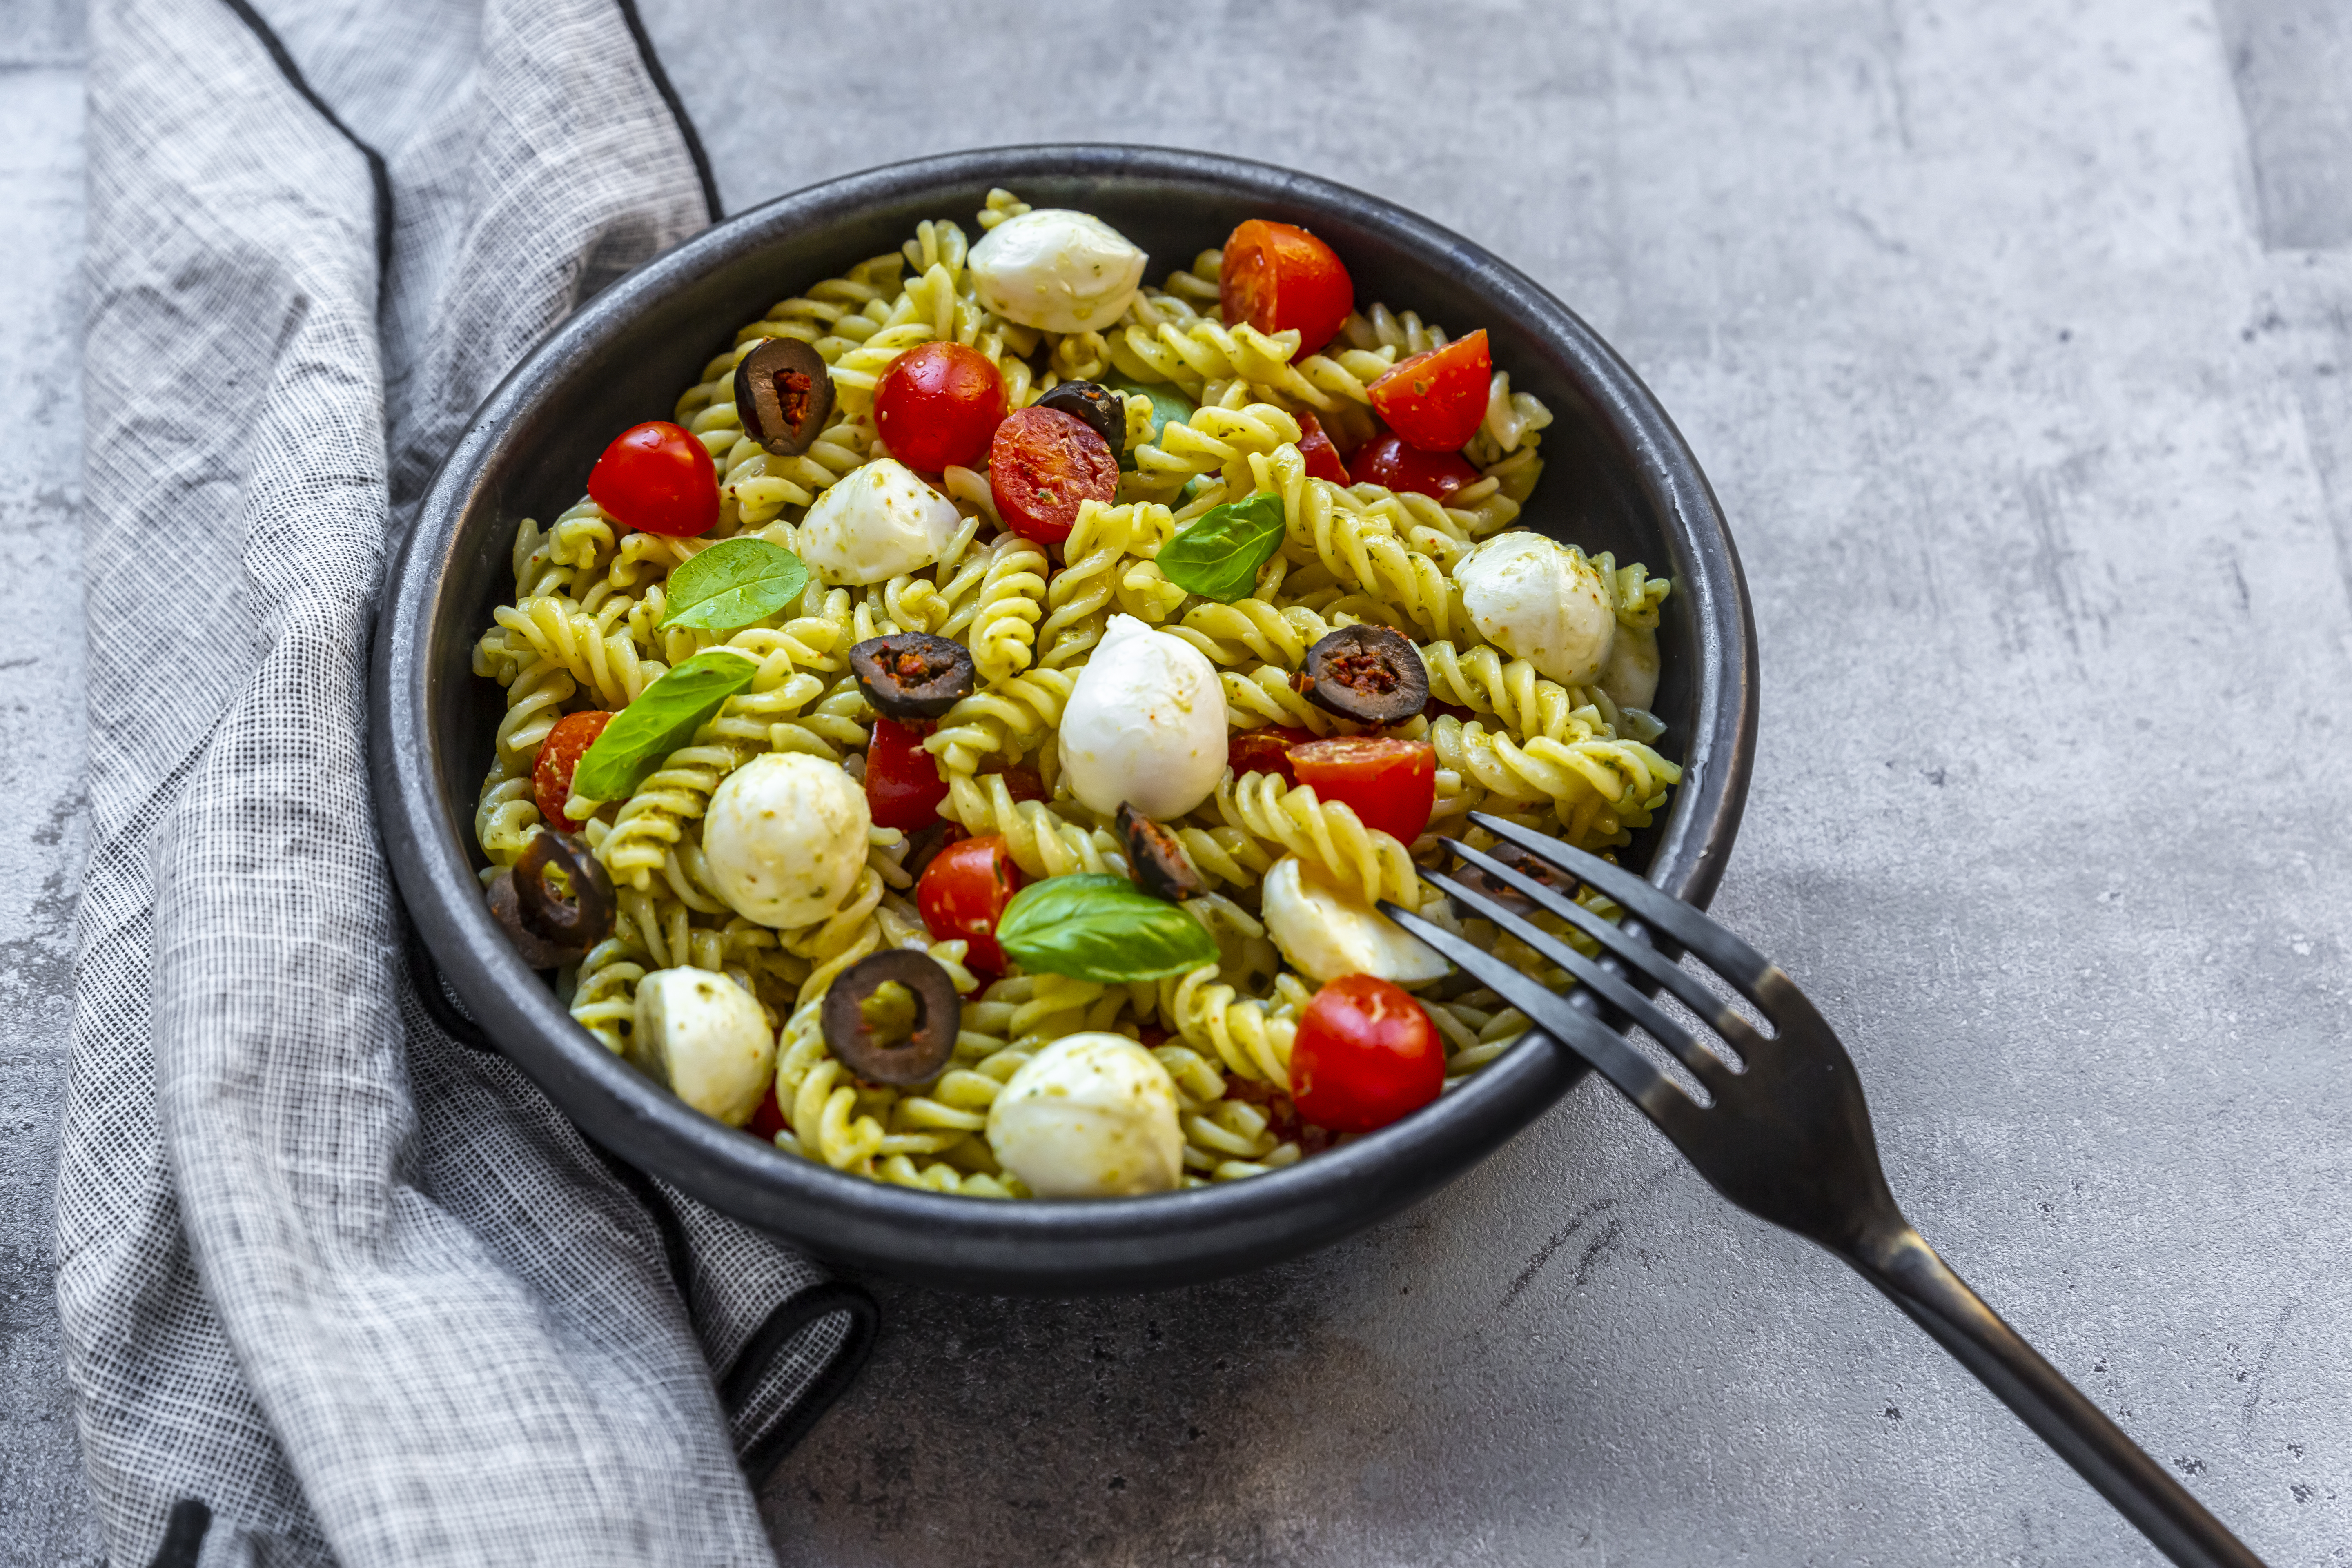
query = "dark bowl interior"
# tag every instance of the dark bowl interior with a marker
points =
(1618, 478)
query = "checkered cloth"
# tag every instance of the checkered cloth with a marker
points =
(351, 1290)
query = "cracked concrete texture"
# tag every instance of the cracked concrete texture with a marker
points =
(2016, 342)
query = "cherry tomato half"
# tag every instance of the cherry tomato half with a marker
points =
(559, 759)
(1266, 750)
(1277, 277)
(903, 785)
(962, 894)
(1322, 457)
(1436, 400)
(938, 404)
(658, 478)
(1366, 1056)
(1385, 460)
(1042, 465)
(1390, 784)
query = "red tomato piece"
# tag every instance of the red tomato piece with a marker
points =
(658, 478)
(1366, 1056)
(559, 759)
(1385, 460)
(1390, 784)
(1322, 457)
(938, 404)
(769, 1120)
(1266, 750)
(1438, 400)
(903, 784)
(963, 895)
(1042, 465)
(1277, 277)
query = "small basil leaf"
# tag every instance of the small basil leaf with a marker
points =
(1218, 556)
(1099, 927)
(732, 584)
(1169, 406)
(664, 717)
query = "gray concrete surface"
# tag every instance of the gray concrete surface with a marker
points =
(2015, 340)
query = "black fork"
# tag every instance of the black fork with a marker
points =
(1788, 1139)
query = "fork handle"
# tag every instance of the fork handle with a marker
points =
(1901, 1264)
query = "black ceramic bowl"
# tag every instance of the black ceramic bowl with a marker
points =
(1618, 478)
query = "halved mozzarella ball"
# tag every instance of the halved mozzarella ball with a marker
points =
(876, 522)
(1090, 1116)
(1540, 601)
(1326, 934)
(1056, 270)
(1145, 724)
(706, 1037)
(786, 838)
(1631, 676)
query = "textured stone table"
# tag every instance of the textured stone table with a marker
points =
(2016, 341)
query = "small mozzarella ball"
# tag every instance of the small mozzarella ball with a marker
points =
(786, 838)
(1090, 1116)
(1326, 934)
(877, 523)
(1631, 676)
(1540, 601)
(1145, 724)
(1059, 271)
(706, 1037)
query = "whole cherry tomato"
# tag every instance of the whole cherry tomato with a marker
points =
(1366, 1056)
(903, 786)
(938, 404)
(559, 759)
(1322, 457)
(1390, 784)
(1438, 400)
(1277, 277)
(1266, 750)
(1042, 465)
(658, 478)
(1385, 460)
(962, 894)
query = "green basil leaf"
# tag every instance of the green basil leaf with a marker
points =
(1169, 406)
(732, 584)
(664, 717)
(1218, 556)
(1099, 927)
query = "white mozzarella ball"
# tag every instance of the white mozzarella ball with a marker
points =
(1090, 1116)
(1631, 676)
(786, 838)
(877, 523)
(1540, 601)
(1326, 934)
(1056, 270)
(1146, 723)
(706, 1037)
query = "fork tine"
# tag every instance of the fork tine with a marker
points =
(1712, 1009)
(1722, 952)
(1709, 1068)
(1658, 1096)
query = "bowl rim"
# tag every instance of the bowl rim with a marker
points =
(1037, 1246)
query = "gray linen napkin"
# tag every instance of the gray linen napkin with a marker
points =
(356, 1290)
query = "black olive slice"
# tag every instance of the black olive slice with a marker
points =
(863, 1035)
(783, 395)
(1156, 857)
(912, 675)
(1368, 674)
(1502, 892)
(561, 894)
(532, 948)
(1102, 409)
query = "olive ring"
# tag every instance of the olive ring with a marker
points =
(938, 1016)
(584, 918)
